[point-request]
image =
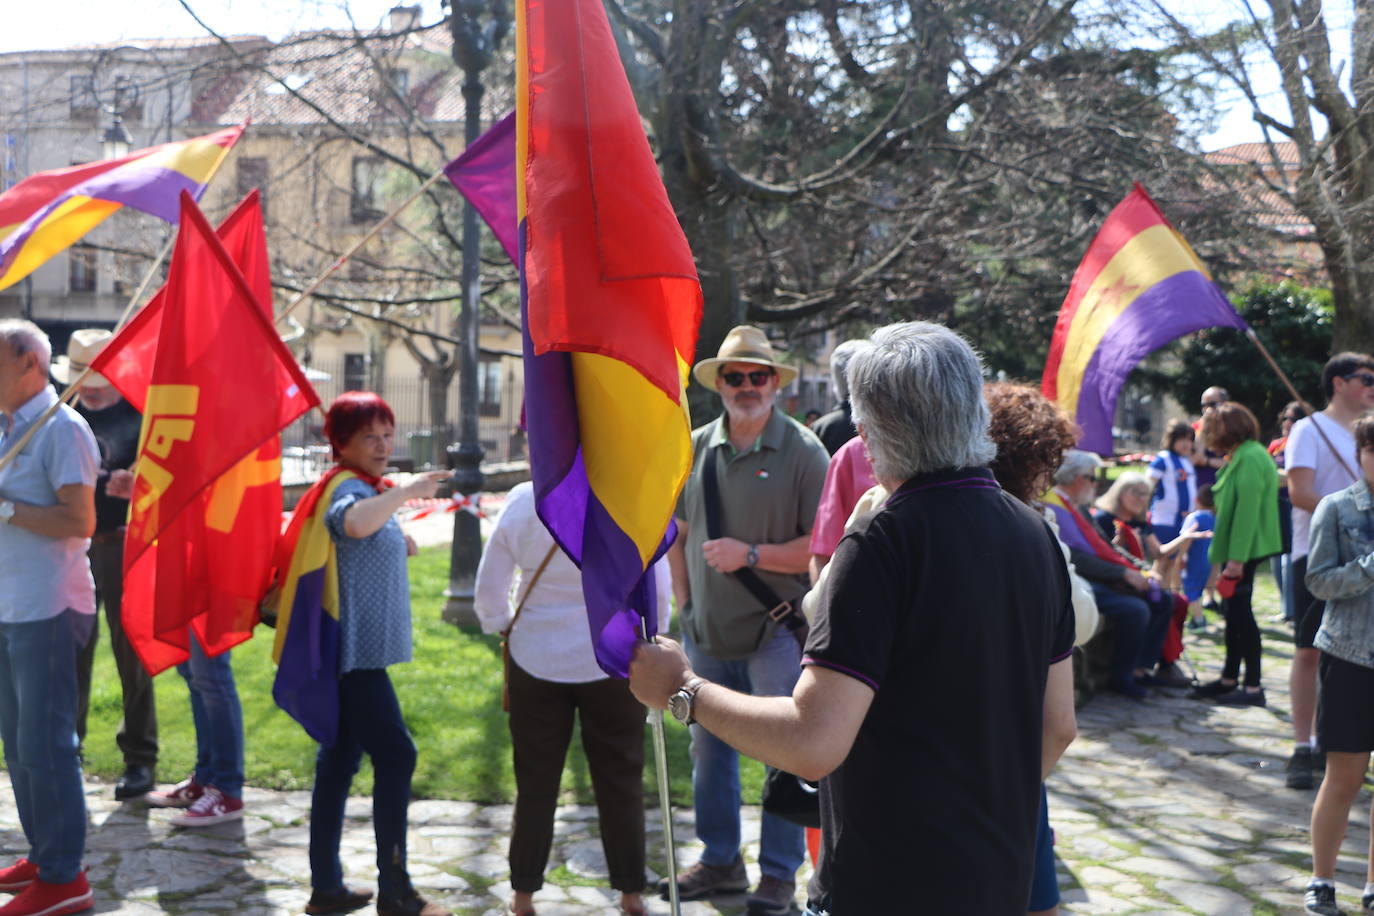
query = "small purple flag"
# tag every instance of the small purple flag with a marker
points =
(485, 175)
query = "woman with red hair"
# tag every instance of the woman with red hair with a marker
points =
(358, 508)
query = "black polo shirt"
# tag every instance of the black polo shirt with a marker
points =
(116, 430)
(951, 602)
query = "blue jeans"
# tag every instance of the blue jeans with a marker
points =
(218, 718)
(1141, 626)
(369, 720)
(38, 726)
(772, 670)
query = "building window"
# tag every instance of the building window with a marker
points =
(355, 371)
(128, 273)
(82, 95)
(399, 80)
(81, 269)
(365, 203)
(253, 174)
(489, 388)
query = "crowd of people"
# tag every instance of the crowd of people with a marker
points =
(931, 530)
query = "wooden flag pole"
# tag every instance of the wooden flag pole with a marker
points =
(665, 801)
(343, 258)
(75, 385)
(1307, 408)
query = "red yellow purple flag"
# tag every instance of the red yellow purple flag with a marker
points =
(1139, 286)
(206, 510)
(611, 305)
(48, 211)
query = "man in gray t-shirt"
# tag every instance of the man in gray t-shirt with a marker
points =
(769, 471)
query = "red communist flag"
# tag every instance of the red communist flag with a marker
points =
(216, 385)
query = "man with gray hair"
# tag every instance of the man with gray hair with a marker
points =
(837, 427)
(47, 603)
(942, 637)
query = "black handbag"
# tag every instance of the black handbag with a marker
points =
(792, 798)
(784, 613)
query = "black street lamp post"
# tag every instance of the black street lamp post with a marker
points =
(474, 44)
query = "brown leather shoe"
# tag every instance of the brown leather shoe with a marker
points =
(411, 904)
(341, 900)
(702, 880)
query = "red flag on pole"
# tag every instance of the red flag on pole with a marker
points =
(206, 508)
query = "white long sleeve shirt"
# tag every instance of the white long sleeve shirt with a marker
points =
(551, 640)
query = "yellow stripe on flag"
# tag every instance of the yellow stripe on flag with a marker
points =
(1152, 256)
(624, 418)
(67, 223)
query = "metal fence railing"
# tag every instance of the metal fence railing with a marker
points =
(419, 441)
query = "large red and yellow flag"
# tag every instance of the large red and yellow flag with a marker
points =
(206, 509)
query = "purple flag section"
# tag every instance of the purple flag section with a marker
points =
(1179, 305)
(574, 516)
(485, 175)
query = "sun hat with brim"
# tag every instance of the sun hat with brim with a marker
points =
(744, 344)
(84, 346)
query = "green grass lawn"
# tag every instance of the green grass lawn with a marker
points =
(450, 693)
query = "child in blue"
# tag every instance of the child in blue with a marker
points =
(1175, 491)
(1199, 569)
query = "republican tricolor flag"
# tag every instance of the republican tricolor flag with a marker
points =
(611, 305)
(1139, 286)
(49, 211)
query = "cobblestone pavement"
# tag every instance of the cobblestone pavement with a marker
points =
(1161, 806)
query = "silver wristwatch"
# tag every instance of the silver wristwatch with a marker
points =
(752, 557)
(681, 703)
(6, 511)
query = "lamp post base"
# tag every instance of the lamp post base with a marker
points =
(458, 610)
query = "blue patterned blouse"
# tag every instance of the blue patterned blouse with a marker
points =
(374, 592)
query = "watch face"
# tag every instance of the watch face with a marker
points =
(680, 706)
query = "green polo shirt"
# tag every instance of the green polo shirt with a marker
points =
(768, 495)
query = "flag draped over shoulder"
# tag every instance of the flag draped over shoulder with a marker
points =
(611, 305)
(1139, 286)
(307, 604)
(47, 212)
(215, 384)
(485, 174)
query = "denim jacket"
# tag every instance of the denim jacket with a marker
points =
(1340, 571)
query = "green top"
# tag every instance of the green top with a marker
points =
(1247, 498)
(768, 495)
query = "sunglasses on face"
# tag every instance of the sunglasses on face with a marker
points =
(1289, 418)
(758, 378)
(1366, 378)
(1208, 405)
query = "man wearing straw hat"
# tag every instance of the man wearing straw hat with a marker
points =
(739, 566)
(47, 606)
(116, 426)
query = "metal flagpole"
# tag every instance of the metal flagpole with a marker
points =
(665, 803)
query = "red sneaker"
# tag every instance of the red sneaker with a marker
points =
(182, 795)
(43, 899)
(213, 807)
(18, 876)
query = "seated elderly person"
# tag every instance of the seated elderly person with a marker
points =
(1138, 608)
(1122, 517)
(952, 583)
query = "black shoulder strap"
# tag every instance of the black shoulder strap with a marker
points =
(779, 610)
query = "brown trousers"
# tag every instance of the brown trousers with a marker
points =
(137, 735)
(541, 724)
